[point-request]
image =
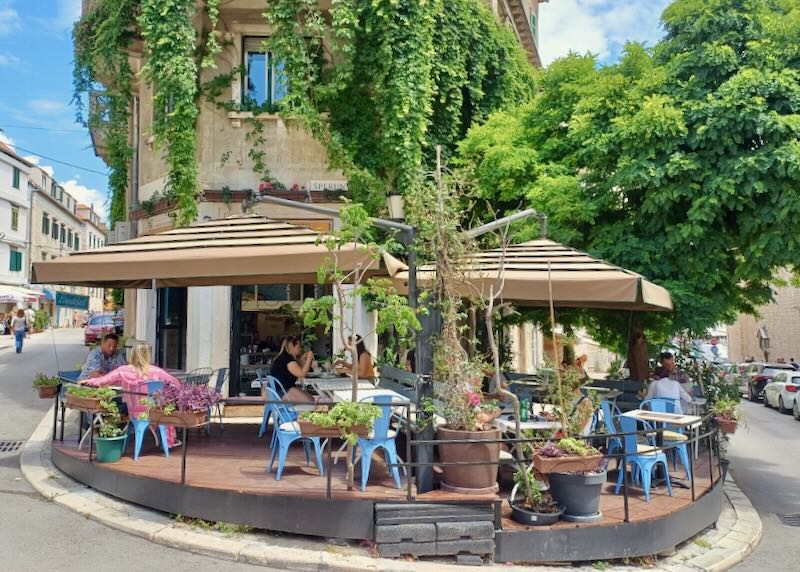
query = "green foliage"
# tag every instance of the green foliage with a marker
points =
(681, 163)
(41, 319)
(102, 393)
(726, 409)
(41, 380)
(573, 446)
(345, 415)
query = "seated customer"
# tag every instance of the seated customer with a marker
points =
(665, 387)
(289, 366)
(128, 377)
(365, 368)
(103, 359)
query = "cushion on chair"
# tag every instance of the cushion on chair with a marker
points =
(292, 426)
(646, 449)
(674, 436)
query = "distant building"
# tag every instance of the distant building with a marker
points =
(14, 220)
(93, 237)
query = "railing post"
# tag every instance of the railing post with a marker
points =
(625, 482)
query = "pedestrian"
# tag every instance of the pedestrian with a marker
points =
(20, 326)
(30, 317)
(2, 323)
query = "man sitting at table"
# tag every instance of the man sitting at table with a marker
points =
(103, 359)
(665, 387)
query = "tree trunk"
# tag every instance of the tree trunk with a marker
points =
(637, 354)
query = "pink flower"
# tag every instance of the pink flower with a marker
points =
(474, 399)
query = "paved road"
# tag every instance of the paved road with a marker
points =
(765, 461)
(38, 535)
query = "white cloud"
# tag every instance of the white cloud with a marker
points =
(598, 26)
(8, 59)
(47, 106)
(6, 139)
(88, 196)
(9, 19)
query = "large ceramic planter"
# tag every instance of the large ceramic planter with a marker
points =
(47, 391)
(109, 449)
(469, 479)
(569, 464)
(529, 517)
(310, 429)
(579, 494)
(179, 418)
(728, 426)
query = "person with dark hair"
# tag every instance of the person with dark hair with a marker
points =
(366, 369)
(289, 366)
(103, 359)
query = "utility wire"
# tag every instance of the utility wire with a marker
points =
(45, 129)
(18, 148)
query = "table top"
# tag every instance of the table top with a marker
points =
(509, 426)
(329, 384)
(346, 395)
(671, 418)
(606, 391)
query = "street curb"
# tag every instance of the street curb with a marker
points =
(737, 533)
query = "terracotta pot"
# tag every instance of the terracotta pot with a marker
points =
(84, 403)
(728, 426)
(179, 418)
(47, 391)
(313, 430)
(469, 479)
(570, 464)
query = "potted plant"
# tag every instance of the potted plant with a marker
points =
(536, 507)
(184, 405)
(88, 398)
(727, 415)
(347, 420)
(566, 455)
(112, 433)
(47, 386)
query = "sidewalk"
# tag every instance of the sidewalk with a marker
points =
(737, 533)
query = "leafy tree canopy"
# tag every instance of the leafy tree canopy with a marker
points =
(681, 162)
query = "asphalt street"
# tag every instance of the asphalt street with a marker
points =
(37, 535)
(765, 461)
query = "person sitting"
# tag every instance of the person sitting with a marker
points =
(665, 387)
(365, 368)
(289, 366)
(129, 376)
(103, 359)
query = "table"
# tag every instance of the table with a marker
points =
(328, 384)
(347, 395)
(507, 425)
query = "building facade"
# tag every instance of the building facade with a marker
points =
(94, 233)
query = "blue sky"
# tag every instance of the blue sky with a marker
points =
(36, 72)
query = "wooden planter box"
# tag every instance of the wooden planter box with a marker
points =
(85, 403)
(47, 391)
(179, 418)
(571, 464)
(218, 196)
(310, 429)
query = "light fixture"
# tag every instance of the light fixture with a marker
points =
(396, 204)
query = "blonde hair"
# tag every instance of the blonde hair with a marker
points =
(140, 359)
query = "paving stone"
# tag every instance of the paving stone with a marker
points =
(396, 550)
(716, 560)
(458, 530)
(206, 544)
(132, 525)
(453, 547)
(272, 557)
(469, 560)
(405, 533)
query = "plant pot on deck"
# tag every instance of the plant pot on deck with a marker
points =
(579, 494)
(569, 464)
(531, 517)
(85, 403)
(110, 449)
(47, 391)
(179, 418)
(309, 429)
(469, 479)
(728, 426)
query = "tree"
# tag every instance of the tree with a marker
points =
(681, 162)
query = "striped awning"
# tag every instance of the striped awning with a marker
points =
(578, 280)
(239, 250)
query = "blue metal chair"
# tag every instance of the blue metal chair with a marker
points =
(674, 439)
(139, 426)
(222, 375)
(275, 385)
(381, 438)
(610, 410)
(287, 431)
(643, 458)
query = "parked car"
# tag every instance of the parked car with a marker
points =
(757, 375)
(729, 372)
(781, 392)
(98, 325)
(119, 322)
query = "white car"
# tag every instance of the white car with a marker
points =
(781, 392)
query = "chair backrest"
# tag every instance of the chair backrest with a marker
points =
(610, 410)
(222, 374)
(275, 385)
(281, 411)
(627, 425)
(380, 427)
(659, 405)
(199, 376)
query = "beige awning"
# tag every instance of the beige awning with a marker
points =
(579, 280)
(233, 251)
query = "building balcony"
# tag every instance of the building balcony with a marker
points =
(98, 124)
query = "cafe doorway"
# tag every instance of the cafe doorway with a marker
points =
(171, 328)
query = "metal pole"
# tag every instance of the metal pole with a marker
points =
(494, 225)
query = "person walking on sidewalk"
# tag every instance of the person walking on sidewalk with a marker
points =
(20, 326)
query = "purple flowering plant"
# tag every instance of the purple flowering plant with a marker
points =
(185, 397)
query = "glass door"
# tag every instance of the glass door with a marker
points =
(171, 328)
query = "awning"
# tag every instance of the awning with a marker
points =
(49, 295)
(17, 294)
(239, 250)
(579, 280)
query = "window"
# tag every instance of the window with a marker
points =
(53, 189)
(60, 195)
(77, 243)
(69, 238)
(15, 261)
(44, 256)
(63, 234)
(44, 182)
(14, 218)
(55, 230)
(16, 175)
(45, 224)
(265, 78)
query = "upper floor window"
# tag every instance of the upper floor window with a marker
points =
(45, 224)
(63, 234)
(14, 218)
(55, 230)
(77, 243)
(53, 189)
(69, 238)
(15, 177)
(264, 82)
(15, 261)
(44, 182)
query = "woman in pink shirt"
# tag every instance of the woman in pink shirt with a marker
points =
(131, 379)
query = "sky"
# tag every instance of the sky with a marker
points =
(37, 118)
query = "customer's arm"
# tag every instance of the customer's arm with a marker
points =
(111, 378)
